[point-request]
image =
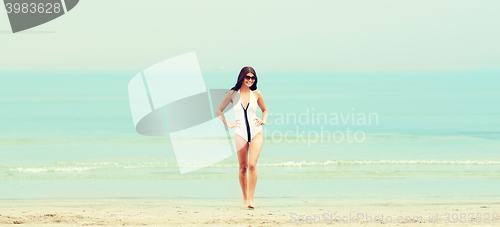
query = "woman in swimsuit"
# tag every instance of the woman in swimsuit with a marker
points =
(248, 131)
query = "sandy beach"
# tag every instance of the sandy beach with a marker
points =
(223, 212)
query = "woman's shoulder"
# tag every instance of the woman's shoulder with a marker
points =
(231, 92)
(257, 92)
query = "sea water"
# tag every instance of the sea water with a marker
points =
(70, 135)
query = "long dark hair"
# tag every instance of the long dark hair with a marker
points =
(244, 71)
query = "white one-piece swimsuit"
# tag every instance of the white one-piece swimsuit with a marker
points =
(246, 115)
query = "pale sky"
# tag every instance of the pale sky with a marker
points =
(341, 36)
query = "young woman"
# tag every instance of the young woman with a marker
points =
(248, 131)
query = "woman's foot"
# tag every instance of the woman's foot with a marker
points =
(250, 205)
(246, 204)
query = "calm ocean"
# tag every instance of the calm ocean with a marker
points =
(421, 135)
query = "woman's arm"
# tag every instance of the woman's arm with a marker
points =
(223, 104)
(262, 105)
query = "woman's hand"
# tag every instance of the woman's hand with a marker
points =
(258, 122)
(235, 124)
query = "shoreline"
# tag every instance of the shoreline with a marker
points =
(227, 212)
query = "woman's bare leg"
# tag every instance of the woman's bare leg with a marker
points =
(255, 147)
(242, 146)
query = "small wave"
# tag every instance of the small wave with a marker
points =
(87, 167)
(376, 162)
(368, 162)
(50, 169)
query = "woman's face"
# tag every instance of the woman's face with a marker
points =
(249, 80)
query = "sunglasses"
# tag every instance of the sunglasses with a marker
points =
(251, 77)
